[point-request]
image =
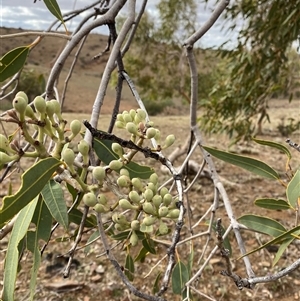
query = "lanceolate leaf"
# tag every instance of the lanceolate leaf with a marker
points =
(180, 276)
(53, 196)
(12, 255)
(32, 182)
(272, 204)
(262, 224)
(75, 217)
(54, 10)
(293, 190)
(106, 155)
(281, 249)
(129, 267)
(255, 166)
(12, 62)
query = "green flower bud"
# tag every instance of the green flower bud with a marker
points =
(137, 184)
(141, 113)
(146, 229)
(101, 198)
(40, 104)
(57, 108)
(148, 194)
(4, 143)
(137, 119)
(174, 213)
(89, 199)
(124, 172)
(132, 114)
(83, 148)
(75, 127)
(4, 158)
(68, 156)
(50, 108)
(152, 187)
(100, 208)
(148, 208)
(169, 141)
(134, 197)
(30, 113)
(125, 204)
(127, 118)
(157, 135)
(133, 239)
(132, 128)
(117, 148)
(120, 124)
(135, 225)
(99, 173)
(22, 94)
(123, 181)
(157, 200)
(150, 133)
(120, 118)
(115, 165)
(163, 211)
(163, 228)
(120, 219)
(149, 220)
(154, 178)
(164, 191)
(167, 199)
(20, 104)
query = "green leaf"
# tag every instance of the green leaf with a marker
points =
(32, 182)
(12, 62)
(281, 249)
(12, 255)
(129, 267)
(149, 244)
(278, 146)
(156, 286)
(262, 224)
(55, 10)
(106, 155)
(255, 166)
(272, 204)
(75, 217)
(91, 238)
(293, 190)
(54, 198)
(180, 276)
(141, 255)
(190, 262)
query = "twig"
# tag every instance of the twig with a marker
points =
(36, 33)
(293, 144)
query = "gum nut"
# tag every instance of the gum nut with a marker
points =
(68, 156)
(127, 117)
(50, 108)
(164, 191)
(132, 113)
(133, 239)
(29, 112)
(75, 127)
(40, 104)
(148, 208)
(174, 213)
(157, 200)
(141, 113)
(163, 211)
(23, 94)
(134, 197)
(99, 208)
(117, 148)
(115, 165)
(167, 199)
(83, 147)
(135, 225)
(4, 158)
(148, 194)
(169, 140)
(102, 199)
(163, 228)
(137, 184)
(154, 178)
(150, 133)
(131, 128)
(99, 173)
(20, 104)
(149, 220)
(89, 199)
(123, 181)
(125, 204)
(124, 172)
(120, 124)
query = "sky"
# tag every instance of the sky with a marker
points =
(26, 14)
